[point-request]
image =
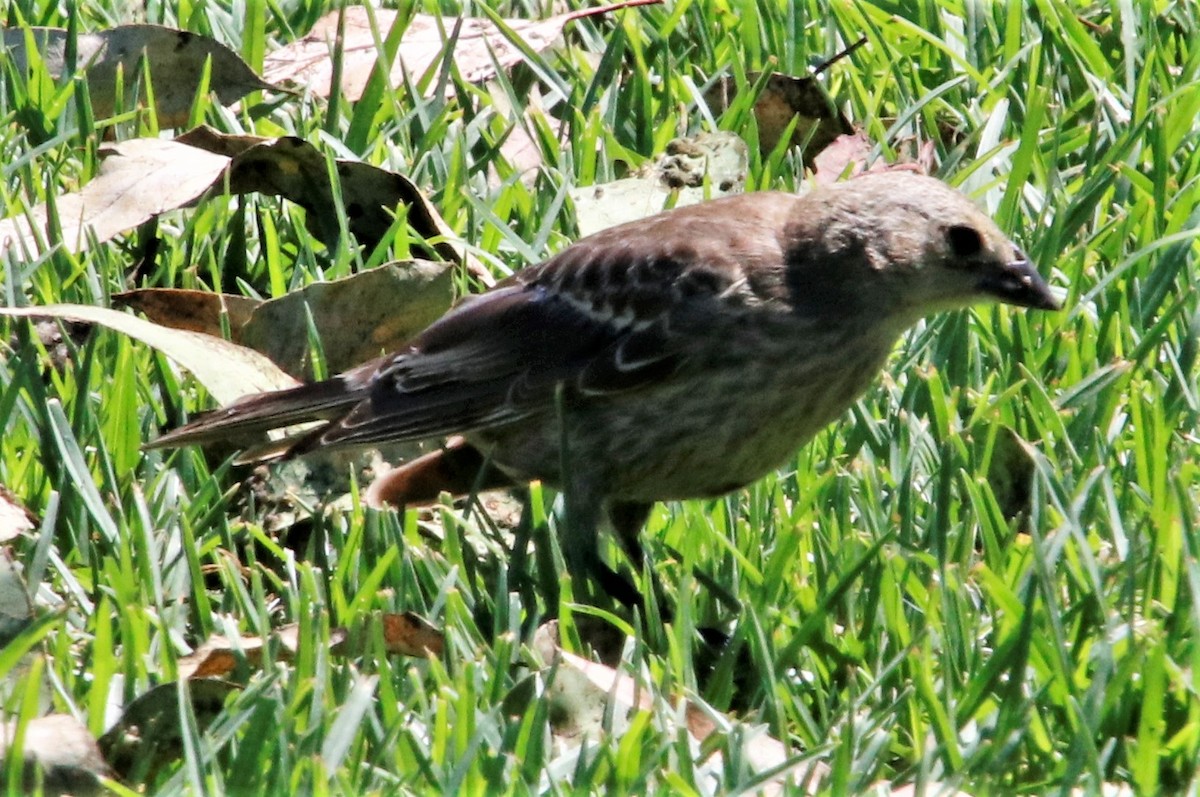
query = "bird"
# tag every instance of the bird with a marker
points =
(681, 356)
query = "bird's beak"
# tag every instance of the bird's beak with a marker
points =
(1018, 282)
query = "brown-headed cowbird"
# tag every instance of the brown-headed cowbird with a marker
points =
(680, 356)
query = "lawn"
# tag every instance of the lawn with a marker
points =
(985, 576)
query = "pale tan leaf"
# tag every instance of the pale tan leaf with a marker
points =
(479, 47)
(227, 370)
(15, 519)
(850, 156)
(693, 169)
(63, 749)
(138, 180)
(16, 609)
(846, 156)
(176, 59)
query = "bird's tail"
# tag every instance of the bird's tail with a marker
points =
(249, 416)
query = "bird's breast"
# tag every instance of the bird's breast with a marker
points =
(731, 414)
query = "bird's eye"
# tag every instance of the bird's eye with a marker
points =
(964, 241)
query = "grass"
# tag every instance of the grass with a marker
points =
(899, 622)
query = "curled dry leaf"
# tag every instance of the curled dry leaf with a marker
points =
(296, 170)
(227, 370)
(782, 98)
(480, 46)
(176, 59)
(138, 180)
(693, 169)
(63, 749)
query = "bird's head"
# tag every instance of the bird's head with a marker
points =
(906, 246)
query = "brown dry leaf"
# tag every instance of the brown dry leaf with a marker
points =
(479, 48)
(176, 59)
(410, 634)
(296, 170)
(197, 311)
(227, 370)
(15, 519)
(585, 695)
(63, 749)
(358, 318)
(218, 657)
(148, 737)
(138, 180)
(705, 166)
(783, 97)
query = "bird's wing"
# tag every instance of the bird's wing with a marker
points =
(497, 359)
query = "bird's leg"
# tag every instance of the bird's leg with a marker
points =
(518, 566)
(627, 520)
(584, 504)
(580, 547)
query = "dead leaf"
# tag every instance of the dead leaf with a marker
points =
(478, 49)
(15, 519)
(850, 155)
(227, 370)
(65, 752)
(409, 634)
(138, 180)
(176, 59)
(296, 170)
(196, 311)
(693, 169)
(358, 318)
(784, 97)
(1010, 474)
(218, 657)
(846, 156)
(16, 609)
(587, 697)
(148, 737)
(142, 178)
